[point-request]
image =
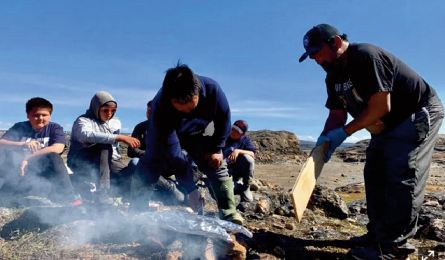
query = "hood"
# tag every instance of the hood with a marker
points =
(98, 100)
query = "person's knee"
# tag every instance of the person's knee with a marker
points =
(249, 160)
(133, 162)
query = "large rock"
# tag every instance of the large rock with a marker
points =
(432, 217)
(330, 202)
(276, 146)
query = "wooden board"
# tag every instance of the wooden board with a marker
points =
(306, 180)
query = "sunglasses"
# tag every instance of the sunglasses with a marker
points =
(108, 110)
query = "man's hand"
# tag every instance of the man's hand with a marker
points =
(23, 165)
(233, 156)
(131, 141)
(33, 146)
(214, 160)
(336, 138)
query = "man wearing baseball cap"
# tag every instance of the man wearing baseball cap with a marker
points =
(239, 153)
(402, 112)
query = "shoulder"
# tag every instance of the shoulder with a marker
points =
(363, 51)
(115, 123)
(53, 128)
(54, 125)
(210, 86)
(141, 125)
(83, 119)
(21, 125)
(20, 128)
(246, 139)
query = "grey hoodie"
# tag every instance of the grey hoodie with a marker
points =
(88, 129)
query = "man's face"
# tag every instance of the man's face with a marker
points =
(186, 107)
(107, 111)
(39, 117)
(325, 57)
(234, 134)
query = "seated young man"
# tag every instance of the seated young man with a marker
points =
(94, 155)
(239, 153)
(31, 161)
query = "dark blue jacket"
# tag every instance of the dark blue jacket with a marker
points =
(168, 127)
(244, 143)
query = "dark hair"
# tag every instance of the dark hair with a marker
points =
(149, 103)
(180, 83)
(344, 37)
(38, 102)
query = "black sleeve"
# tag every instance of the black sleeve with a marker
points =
(138, 132)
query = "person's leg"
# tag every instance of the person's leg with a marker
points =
(51, 167)
(374, 185)
(91, 167)
(406, 157)
(221, 184)
(244, 168)
(145, 176)
(10, 186)
(120, 177)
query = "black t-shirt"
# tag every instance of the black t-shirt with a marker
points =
(370, 69)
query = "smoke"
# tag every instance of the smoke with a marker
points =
(74, 227)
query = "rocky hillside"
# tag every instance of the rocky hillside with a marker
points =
(356, 152)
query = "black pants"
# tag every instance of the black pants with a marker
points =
(120, 177)
(45, 175)
(396, 171)
(91, 167)
(242, 168)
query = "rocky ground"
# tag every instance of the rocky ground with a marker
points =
(336, 212)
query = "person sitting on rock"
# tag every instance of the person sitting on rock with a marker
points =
(166, 186)
(32, 156)
(94, 152)
(182, 110)
(239, 153)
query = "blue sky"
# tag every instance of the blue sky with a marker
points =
(67, 50)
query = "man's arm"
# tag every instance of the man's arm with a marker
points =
(222, 130)
(379, 105)
(241, 151)
(55, 148)
(336, 118)
(32, 145)
(138, 132)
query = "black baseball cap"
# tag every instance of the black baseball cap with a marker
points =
(314, 39)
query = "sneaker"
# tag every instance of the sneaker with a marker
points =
(365, 253)
(76, 202)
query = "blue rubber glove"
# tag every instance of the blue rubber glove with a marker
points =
(336, 138)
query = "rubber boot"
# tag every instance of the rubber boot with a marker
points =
(223, 191)
(245, 193)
